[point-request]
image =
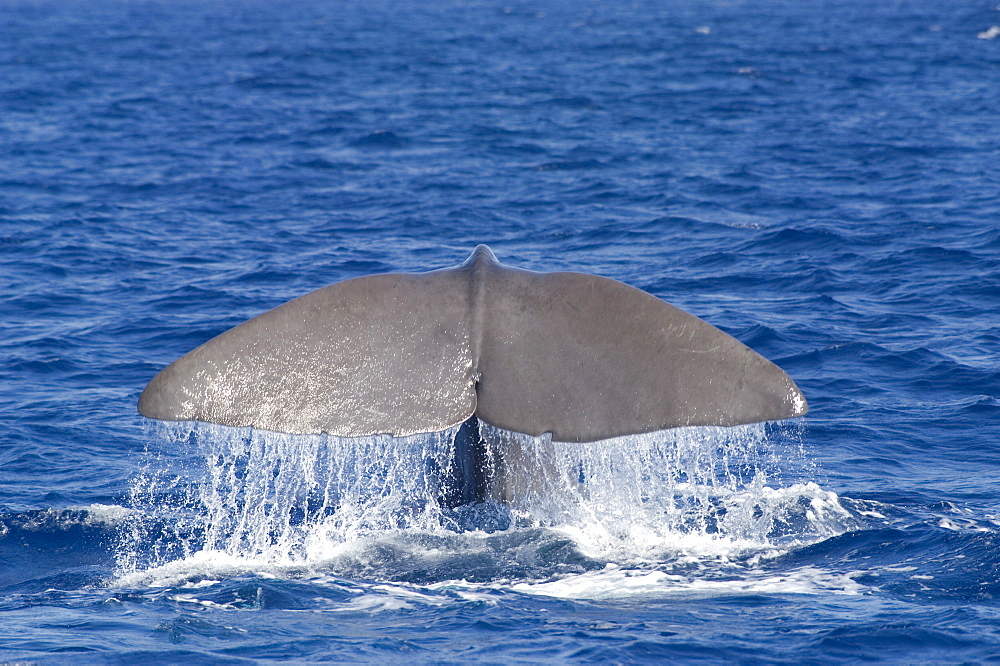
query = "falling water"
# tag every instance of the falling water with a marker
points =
(294, 500)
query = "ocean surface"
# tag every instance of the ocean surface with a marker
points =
(819, 179)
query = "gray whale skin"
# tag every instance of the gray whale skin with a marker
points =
(578, 356)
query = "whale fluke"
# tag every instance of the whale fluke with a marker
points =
(578, 356)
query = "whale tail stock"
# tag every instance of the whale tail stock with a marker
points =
(579, 356)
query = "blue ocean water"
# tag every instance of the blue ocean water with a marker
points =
(821, 180)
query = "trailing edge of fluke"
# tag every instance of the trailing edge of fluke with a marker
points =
(579, 356)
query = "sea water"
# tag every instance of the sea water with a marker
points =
(281, 500)
(819, 180)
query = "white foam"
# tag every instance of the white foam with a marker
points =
(200, 569)
(92, 515)
(191, 599)
(220, 501)
(618, 583)
(104, 514)
(962, 525)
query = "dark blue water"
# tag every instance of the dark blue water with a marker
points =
(820, 180)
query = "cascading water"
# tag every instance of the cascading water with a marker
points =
(374, 504)
(644, 497)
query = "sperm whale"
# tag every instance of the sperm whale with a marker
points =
(577, 356)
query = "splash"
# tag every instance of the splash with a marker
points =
(644, 497)
(358, 504)
(278, 498)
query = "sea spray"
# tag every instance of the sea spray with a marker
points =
(270, 497)
(282, 500)
(645, 496)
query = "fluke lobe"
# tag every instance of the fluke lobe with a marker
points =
(578, 356)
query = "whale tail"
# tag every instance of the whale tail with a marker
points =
(578, 356)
